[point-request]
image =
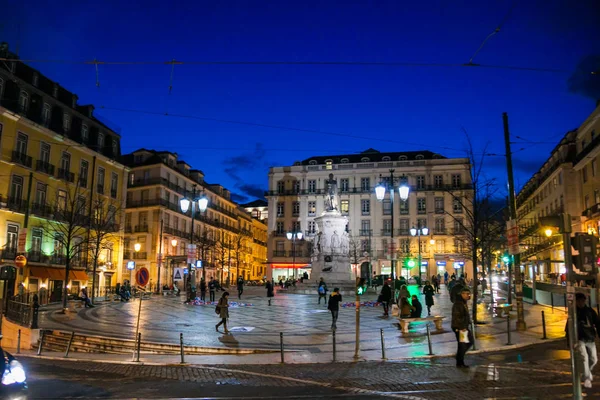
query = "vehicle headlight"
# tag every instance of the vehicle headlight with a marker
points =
(14, 373)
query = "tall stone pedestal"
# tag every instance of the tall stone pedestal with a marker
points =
(331, 258)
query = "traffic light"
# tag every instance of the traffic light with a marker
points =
(506, 258)
(361, 286)
(8, 273)
(410, 263)
(585, 245)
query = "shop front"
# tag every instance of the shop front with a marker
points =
(284, 271)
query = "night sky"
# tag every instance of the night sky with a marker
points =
(389, 108)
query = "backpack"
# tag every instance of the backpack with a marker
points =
(218, 309)
(322, 289)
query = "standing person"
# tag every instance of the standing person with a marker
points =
(417, 307)
(202, 289)
(240, 286)
(588, 327)
(445, 277)
(397, 286)
(461, 324)
(386, 297)
(223, 310)
(334, 306)
(212, 286)
(457, 289)
(428, 291)
(322, 290)
(435, 283)
(270, 290)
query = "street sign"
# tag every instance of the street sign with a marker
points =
(512, 237)
(191, 254)
(178, 274)
(199, 264)
(20, 261)
(130, 265)
(142, 276)
(22, 240)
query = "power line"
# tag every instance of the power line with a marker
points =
(495, 31)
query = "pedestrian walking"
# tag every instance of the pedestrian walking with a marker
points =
(270, 290)
(212, 286)
(385, 297)
(588, 327)
(202, 289)
(222, 310)
(240, 286)
(322, 291)
(457, 288)
(86, 299)
(436, 283)
(417, 307)
(428, 291)
(461, 324)
(334, 306)
(446, 278)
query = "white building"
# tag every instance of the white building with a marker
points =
(296, 197)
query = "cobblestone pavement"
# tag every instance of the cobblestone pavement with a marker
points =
(533, 373)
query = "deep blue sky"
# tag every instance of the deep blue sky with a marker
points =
(427, 106)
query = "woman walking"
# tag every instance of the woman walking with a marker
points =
(223, 311)
(428, 291)
(270, 290)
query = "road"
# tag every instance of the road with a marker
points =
(540, 372)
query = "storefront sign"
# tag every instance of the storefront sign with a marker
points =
(130, 265)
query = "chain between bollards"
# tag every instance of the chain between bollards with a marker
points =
(19, 342)
(70, 343)
(544, 325)
(474, 335)
(382, 345)
(508, 330)
(281, 346)
(181, 347)
(429, 340)
(334, 346)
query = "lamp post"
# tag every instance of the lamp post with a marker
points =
(403, 191)
(420, 230)
(293, 236)
(184, 203)
(136, 248)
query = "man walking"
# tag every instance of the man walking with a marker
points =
(334, 306)
(202, 289)
(461, 324)
(211, 289)
(588, 327)
(322, 290)
(385, 296)
(240, 286)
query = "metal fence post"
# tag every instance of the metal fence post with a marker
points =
(139, 344)
(429, 340)
(181, 347)
(508, 329)
(382, 344)
(39, 352)
(19, 342)
(281, 346)
(69, 345)
(474, 335)
(544, 325)
(334, 347)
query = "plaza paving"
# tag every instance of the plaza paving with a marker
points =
(305, 326)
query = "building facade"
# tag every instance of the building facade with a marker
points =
(223, 234)
(60, 180)
(296, 197)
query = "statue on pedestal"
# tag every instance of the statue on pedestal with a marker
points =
(331, 198)
(335, 243)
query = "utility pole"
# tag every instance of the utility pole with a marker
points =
(512, 203)
(160, 256)
(357, 339)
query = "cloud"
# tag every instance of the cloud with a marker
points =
(236, 166)
(239, 198)
(585, 80)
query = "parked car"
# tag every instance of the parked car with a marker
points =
(14, 382)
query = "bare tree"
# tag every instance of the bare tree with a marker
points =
(205, 244)
(222, 253)
(239, 245)
(68, 230)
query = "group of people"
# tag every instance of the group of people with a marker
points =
(407, 309)
(124, 290)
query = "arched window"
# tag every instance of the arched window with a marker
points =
(385, 158)
(402, 158)
(419, 157)
(23, 100)
(312, 162)
(344, 161)
(365, 159)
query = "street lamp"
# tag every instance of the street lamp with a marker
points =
(174, 245)
(184, 203)
(403, 191)
(137, 247)
(420, 230)
(293, 236)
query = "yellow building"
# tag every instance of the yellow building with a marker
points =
(588, 170)
(260, 237)
(58, 167)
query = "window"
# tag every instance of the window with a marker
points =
(421, 182)
(405, 246)
(114, 183)
(328, 164)
(80, 206)
(36, 241)
(457, 206)
(387, 206)
(422, 222)
(280, 210)
(35, 79)
(438, 181)
(345, 207)
(312, 227)
(312, 186)
(441, 246)
(365, 159)
(344, 161)
(85, 133)
(421, 205)
(440, 226)
(16, 189)
(55, 90)
(40, 194)
(83, 173)
(23, 101)
(344, 185)
(596, 196)
(385, 158)
(22, 140)
(312, 208)
(365, 207)
(365, 184)
(66, 122)
(74, 102)
(586, 202)
(387, 226)
(12, 237)
(296, 226)
(101, 180)
(419, 157)
(46, 113)
(456, 181)
(404, 207)
(296, 187)
(560, 178)
(44, 153)
(115, 147)
(584, 174)
(100, 140)
(365, 226)
(439, 205)
(296, 208)
(458, 226)
(61, 200)
(280, 228)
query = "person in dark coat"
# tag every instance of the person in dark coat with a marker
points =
(456, 290)
(335, 298)
(385, 297)
(588, 328)
(270, 290)
(428, 291)
(461, 325)
(212, 287)
(417, 307)
(240, 287)
(202, 289)
(223, 311)
(322, 291)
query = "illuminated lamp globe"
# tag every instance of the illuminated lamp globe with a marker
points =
(380, 192)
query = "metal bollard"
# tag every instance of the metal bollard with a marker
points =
(69, 345)
(139, 345)
(544, 325)
(429, 340)
(19, 342)
(565, 300)
(382, 345)
(474, 336)
(181, 347)
(334, 346)
(508, 329)
(281, 346)
(39, 352)
(552, 301)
